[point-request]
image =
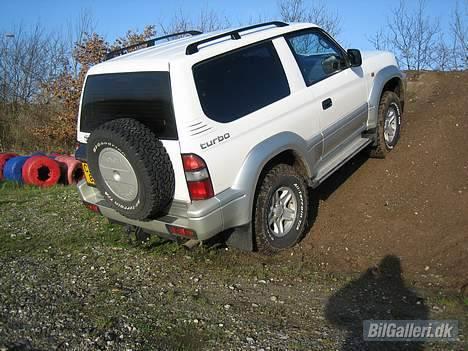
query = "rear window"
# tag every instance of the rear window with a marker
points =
(144, 96)
(240, 82)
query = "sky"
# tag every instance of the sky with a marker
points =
(360, 18)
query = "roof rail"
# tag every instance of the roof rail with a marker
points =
(147, 43)
(235, 35)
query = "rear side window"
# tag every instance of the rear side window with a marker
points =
(144, 96)
(240, 82)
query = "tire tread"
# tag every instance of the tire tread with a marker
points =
(379, 150)
(262, 243)
(150, 152)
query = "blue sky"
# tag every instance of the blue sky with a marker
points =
(360, 18)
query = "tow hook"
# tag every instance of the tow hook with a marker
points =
(140, 235)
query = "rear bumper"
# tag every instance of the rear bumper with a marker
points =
(207, 218)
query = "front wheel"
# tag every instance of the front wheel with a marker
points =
(281, 208)
(388, 126)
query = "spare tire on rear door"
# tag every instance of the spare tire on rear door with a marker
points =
(131, 168)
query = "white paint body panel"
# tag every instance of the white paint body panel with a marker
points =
(347, 90)
(300, 113)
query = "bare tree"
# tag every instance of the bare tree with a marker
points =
(412, 35)
(425, 36)
(77, 33)
(293, 10)
(257, 18)
(29, 58)
(400, 38)
(443, 56)
(459, 34)
(314, 11)
(380, 40)
(206, 21)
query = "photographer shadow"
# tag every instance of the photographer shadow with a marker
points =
(378, 294)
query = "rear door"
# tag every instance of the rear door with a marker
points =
(143, 96)
(339, 91)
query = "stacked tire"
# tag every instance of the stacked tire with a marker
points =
(72, 170)
(12, 169)
(3, 160)
(39, 169)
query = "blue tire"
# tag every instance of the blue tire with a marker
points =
(13, 169)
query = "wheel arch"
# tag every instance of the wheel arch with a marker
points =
(286, 147)
(388, 79)
(396, 85)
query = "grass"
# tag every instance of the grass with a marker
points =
(38, 220)
(51, 226)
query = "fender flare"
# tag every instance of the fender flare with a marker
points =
(381, 78)
(249, 174)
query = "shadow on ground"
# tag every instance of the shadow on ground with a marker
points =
(337, 179)
(378, 294)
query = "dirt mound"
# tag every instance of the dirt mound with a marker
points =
(413, 204)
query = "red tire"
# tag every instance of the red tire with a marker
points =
(3, 159)
(41, 171)
(73, 169)
(54, 155)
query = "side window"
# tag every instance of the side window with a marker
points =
(235, 84)
(317, 56)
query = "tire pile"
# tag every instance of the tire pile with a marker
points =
(40, 169)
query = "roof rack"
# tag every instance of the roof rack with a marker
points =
(147, 43)
(193, 48)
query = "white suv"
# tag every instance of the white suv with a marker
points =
(228, 131)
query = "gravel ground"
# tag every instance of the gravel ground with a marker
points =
(70, 281)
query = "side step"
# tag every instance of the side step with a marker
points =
(340, 159)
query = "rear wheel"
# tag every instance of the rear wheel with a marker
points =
(281, 207)
(388, 126)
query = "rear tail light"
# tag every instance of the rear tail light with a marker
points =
(198, 178)
(180, 231)
(92, 207)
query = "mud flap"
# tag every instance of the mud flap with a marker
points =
(240, 238)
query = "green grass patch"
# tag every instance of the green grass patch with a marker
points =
(37, 221)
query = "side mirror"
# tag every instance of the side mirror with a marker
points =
(355, 58)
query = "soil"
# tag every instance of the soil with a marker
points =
(414, 203)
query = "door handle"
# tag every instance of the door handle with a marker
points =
(327, 103)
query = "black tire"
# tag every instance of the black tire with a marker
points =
(149, 161)
(279, 176)
(381, 148)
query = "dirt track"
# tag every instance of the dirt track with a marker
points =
(414, 204)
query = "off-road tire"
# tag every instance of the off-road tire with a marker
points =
(278, 176)
(149, 160)
(380, 148)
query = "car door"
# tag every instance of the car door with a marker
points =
(339, 89)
